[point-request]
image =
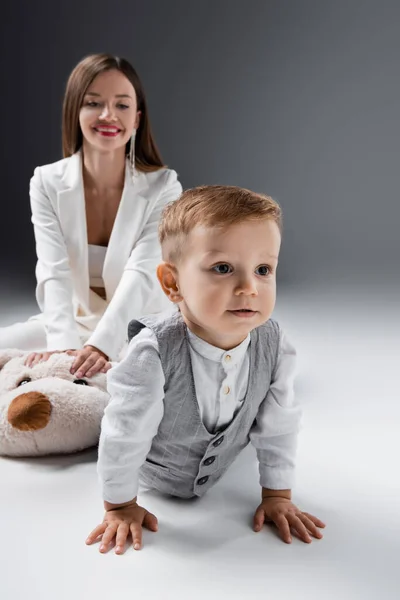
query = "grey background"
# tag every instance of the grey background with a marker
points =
(295, 98)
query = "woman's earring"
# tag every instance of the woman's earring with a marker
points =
(131, 154)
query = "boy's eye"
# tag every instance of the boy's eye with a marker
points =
(263, 270)
(222, 269)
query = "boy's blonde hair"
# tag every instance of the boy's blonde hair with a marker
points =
(211, 206)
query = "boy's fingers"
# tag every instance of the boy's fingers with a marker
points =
(108, 536)
(259, 519)
(99, 530)
(122, 534)
(283, 527)
(312, 528)
(299, 526)
(150, 521)
(315, 520)
(136, 532)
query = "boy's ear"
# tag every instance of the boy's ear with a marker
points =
(167, 275)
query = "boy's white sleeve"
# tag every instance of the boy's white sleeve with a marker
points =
(131, 419)
(274, 434)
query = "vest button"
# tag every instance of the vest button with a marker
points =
(202, 480)
(209, 461)
(218, 442)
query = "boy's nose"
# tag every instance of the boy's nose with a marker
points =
(247, 286)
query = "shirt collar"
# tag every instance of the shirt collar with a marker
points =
(215, 354)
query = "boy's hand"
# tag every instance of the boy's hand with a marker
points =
(287, 517)
(119, 523)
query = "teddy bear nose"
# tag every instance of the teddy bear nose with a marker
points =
(29, 412)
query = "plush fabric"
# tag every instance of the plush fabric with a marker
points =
(44, 409)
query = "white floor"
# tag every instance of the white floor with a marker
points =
(348, 475)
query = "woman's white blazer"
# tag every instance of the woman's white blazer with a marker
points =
(129, 274)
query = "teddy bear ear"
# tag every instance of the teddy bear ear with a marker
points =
(9, 353)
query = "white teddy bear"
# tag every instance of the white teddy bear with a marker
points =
(46, 410)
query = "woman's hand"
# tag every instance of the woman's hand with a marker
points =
(89, 361)
(36, 357)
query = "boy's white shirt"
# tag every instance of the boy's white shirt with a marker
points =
(136, 408)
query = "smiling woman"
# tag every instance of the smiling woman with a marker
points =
(95, 215)
(109, 118)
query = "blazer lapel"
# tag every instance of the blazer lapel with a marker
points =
(72, 214)
(129, 222)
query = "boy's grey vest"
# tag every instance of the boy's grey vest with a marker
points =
(185, 459)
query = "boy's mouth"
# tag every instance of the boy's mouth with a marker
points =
(243, 312)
